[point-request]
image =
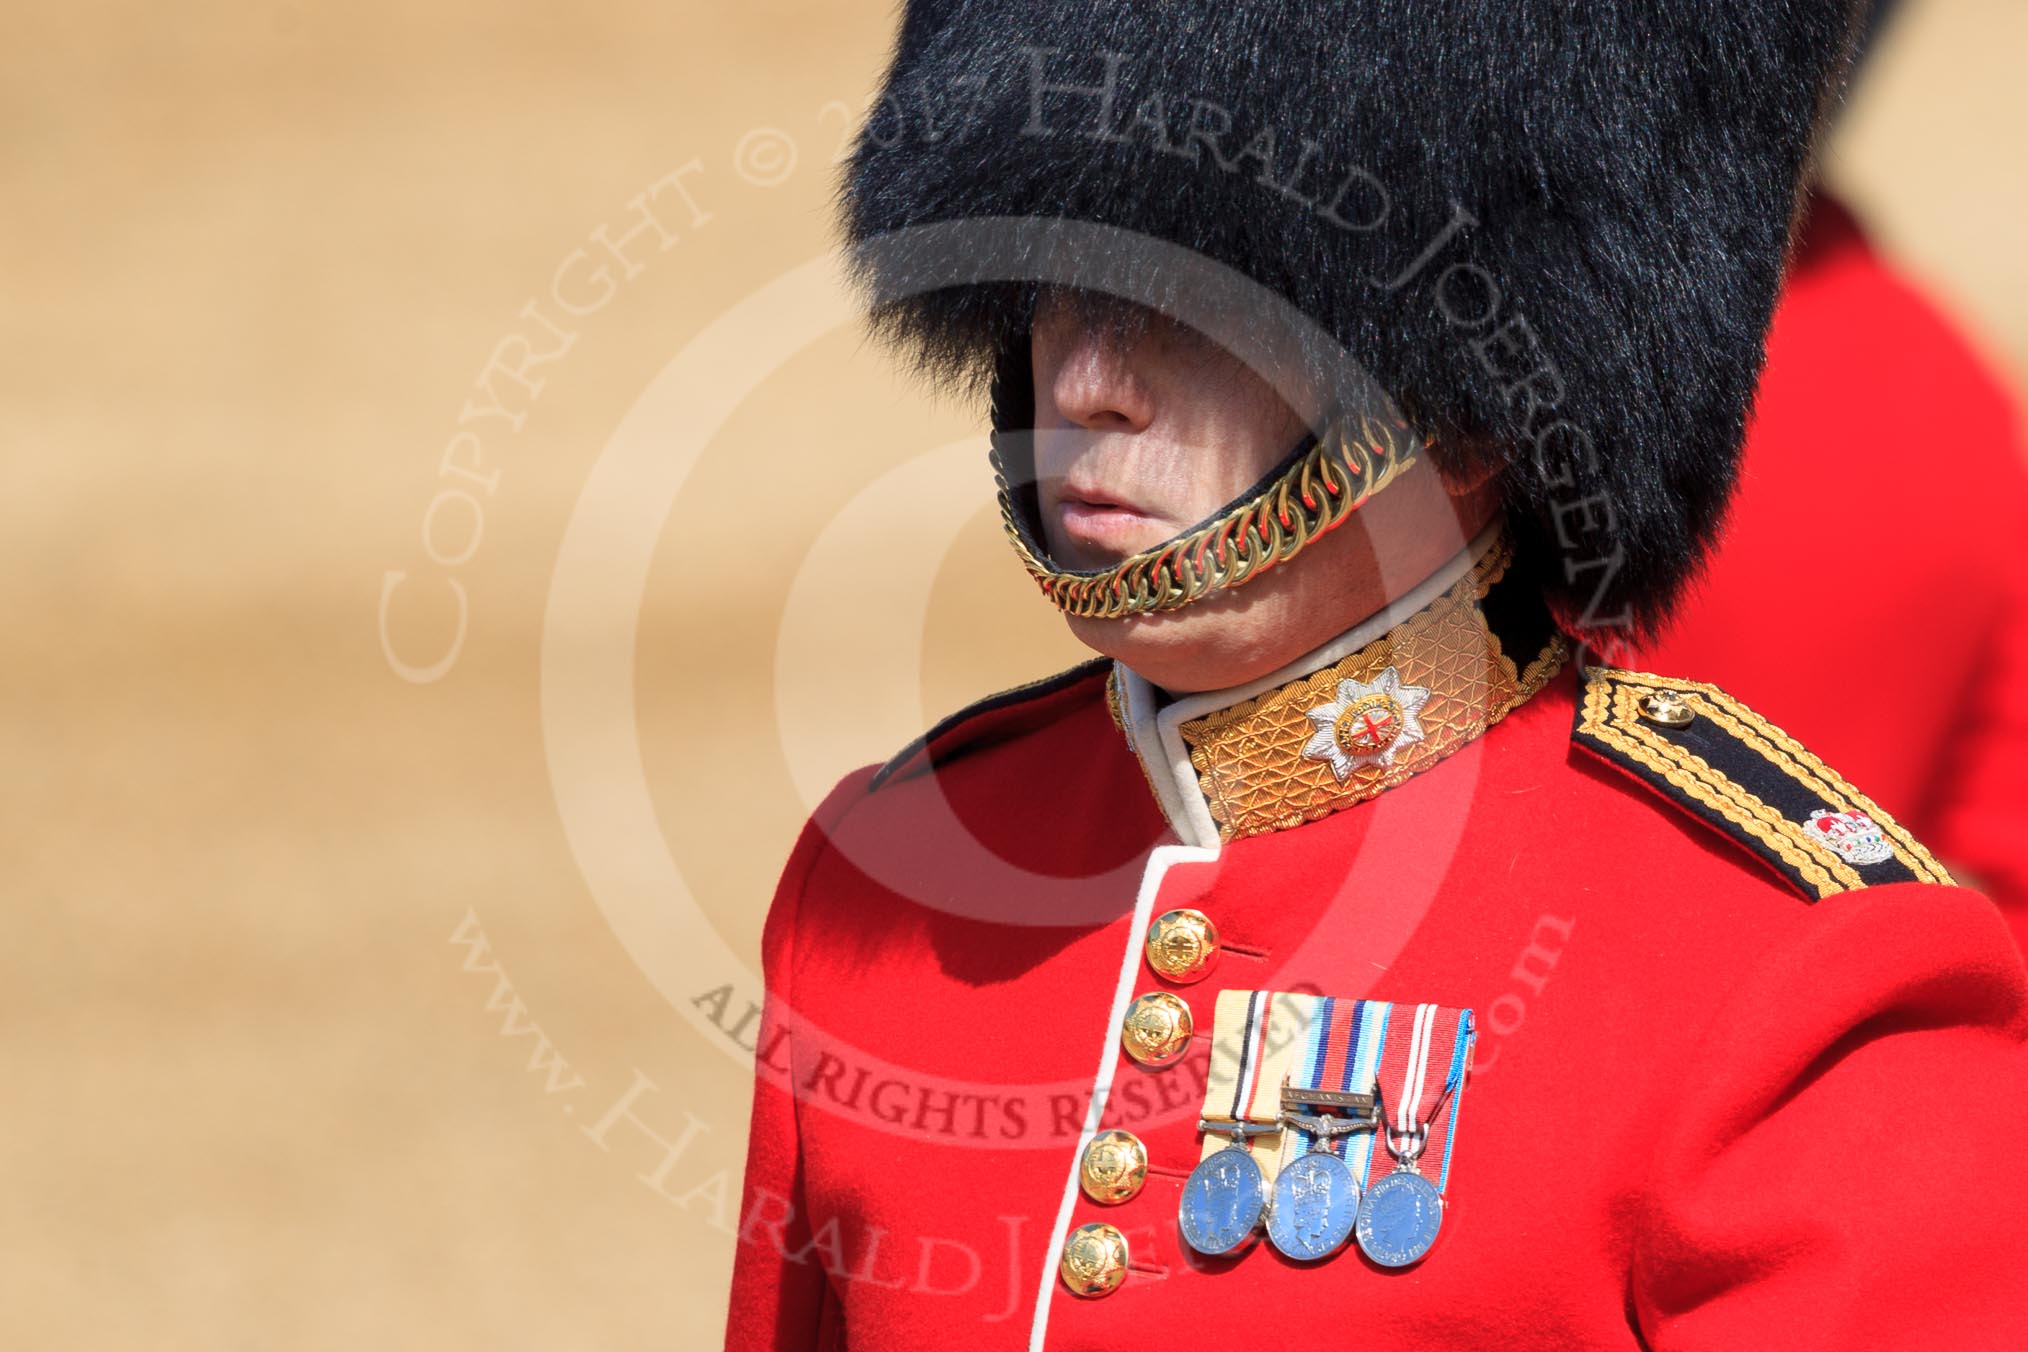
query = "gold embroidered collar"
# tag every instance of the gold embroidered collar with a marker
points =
(1384, 701)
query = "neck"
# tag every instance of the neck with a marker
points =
(1370, 626)
(1383, 700)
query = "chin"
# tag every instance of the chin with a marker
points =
(1238, 635)
(1215, 643)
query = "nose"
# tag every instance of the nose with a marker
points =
(1091, 380)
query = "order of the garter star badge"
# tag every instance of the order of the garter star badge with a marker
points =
(1367, 723)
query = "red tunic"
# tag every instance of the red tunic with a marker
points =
(1705, 1112)
(1872, 585)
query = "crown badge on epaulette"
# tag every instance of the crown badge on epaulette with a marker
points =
(1852, 836)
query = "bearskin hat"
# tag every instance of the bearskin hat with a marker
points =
(1551, 233)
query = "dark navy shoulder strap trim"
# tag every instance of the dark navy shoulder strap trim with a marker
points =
(1719, 761)
(1020, 694)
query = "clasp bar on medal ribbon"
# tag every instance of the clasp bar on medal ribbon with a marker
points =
(1364, 1105)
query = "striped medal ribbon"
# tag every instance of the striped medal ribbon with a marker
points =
(1316, 1191)
(1226, 1193)
(1425, 1058)
(1373, 1076)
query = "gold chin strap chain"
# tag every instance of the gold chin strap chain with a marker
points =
(1352, 460)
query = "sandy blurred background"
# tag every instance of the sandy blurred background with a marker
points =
(285, 928)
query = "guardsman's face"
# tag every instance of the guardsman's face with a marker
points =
(1141, 435)
(1142, 431)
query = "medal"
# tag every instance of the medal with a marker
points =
(1316, 1193)
(1224, 1196)
(1227, 1192)
(1345, 1084)
(1316, 1198)
(1402, 1214)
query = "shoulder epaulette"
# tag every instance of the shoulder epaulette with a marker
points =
(1723, 763)
(949, 731)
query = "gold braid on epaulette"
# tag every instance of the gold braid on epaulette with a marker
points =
(1610, 718)
(1354, 459)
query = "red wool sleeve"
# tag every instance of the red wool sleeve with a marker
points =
(1846, 1169)
(782, 1297)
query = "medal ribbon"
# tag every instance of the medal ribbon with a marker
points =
(1417, 1056)
(1256, 1039)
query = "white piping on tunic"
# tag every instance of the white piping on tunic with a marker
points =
(1154, 731)
(1109, 1058)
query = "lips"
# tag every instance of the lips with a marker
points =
(1091, 496)
(1105, 522)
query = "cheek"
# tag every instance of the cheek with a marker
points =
(1049, 453)
(1223, 473)
(1242, 445)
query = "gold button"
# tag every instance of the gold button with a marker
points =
(1182, 945)
(1666, 707)
(1157, 1029)
(1114, 1167)
(1094, 1259)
